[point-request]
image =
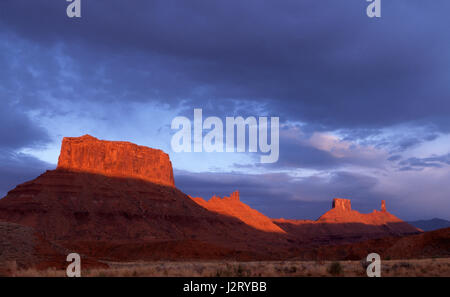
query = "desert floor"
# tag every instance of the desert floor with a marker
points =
(390, 268)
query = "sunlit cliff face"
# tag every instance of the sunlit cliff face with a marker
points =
(115, 158)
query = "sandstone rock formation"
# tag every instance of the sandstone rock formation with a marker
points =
(115, 210)
(383, 205)
(115, 158)
(342, 204)
(343, 224)
(342, 213)
(232, 206)
(117, 201)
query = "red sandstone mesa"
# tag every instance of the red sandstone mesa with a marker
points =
(342, 204)
(115, 158)
(108, 200)
(342, 213)
(342, 224)
(117, 201)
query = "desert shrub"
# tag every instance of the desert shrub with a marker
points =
(233, 271)
(291, 269)
(405, 265)
(226, 272)
(240, 271)
(335, 268)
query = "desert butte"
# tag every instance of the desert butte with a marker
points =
(117, 201)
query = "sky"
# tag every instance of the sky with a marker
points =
(363, 103)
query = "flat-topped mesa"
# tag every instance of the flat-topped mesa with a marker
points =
(342, 204)
(115, 158)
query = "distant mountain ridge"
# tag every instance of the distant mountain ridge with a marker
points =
(430, 225)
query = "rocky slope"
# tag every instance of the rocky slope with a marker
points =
(22, 247)
(117, 201)
(232, 206)
(80, 206)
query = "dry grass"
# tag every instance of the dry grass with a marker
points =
(409, 268)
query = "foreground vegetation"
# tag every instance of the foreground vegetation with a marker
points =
(409, 268)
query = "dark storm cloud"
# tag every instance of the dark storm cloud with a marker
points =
(296, 198)
(320, 62)
(17, 130)
(17, 168)
(323, 62)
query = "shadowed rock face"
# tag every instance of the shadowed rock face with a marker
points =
(116, 159)
(130, 219)
(22, 247)
(424, 245)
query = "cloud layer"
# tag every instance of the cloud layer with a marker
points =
(363, 103)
